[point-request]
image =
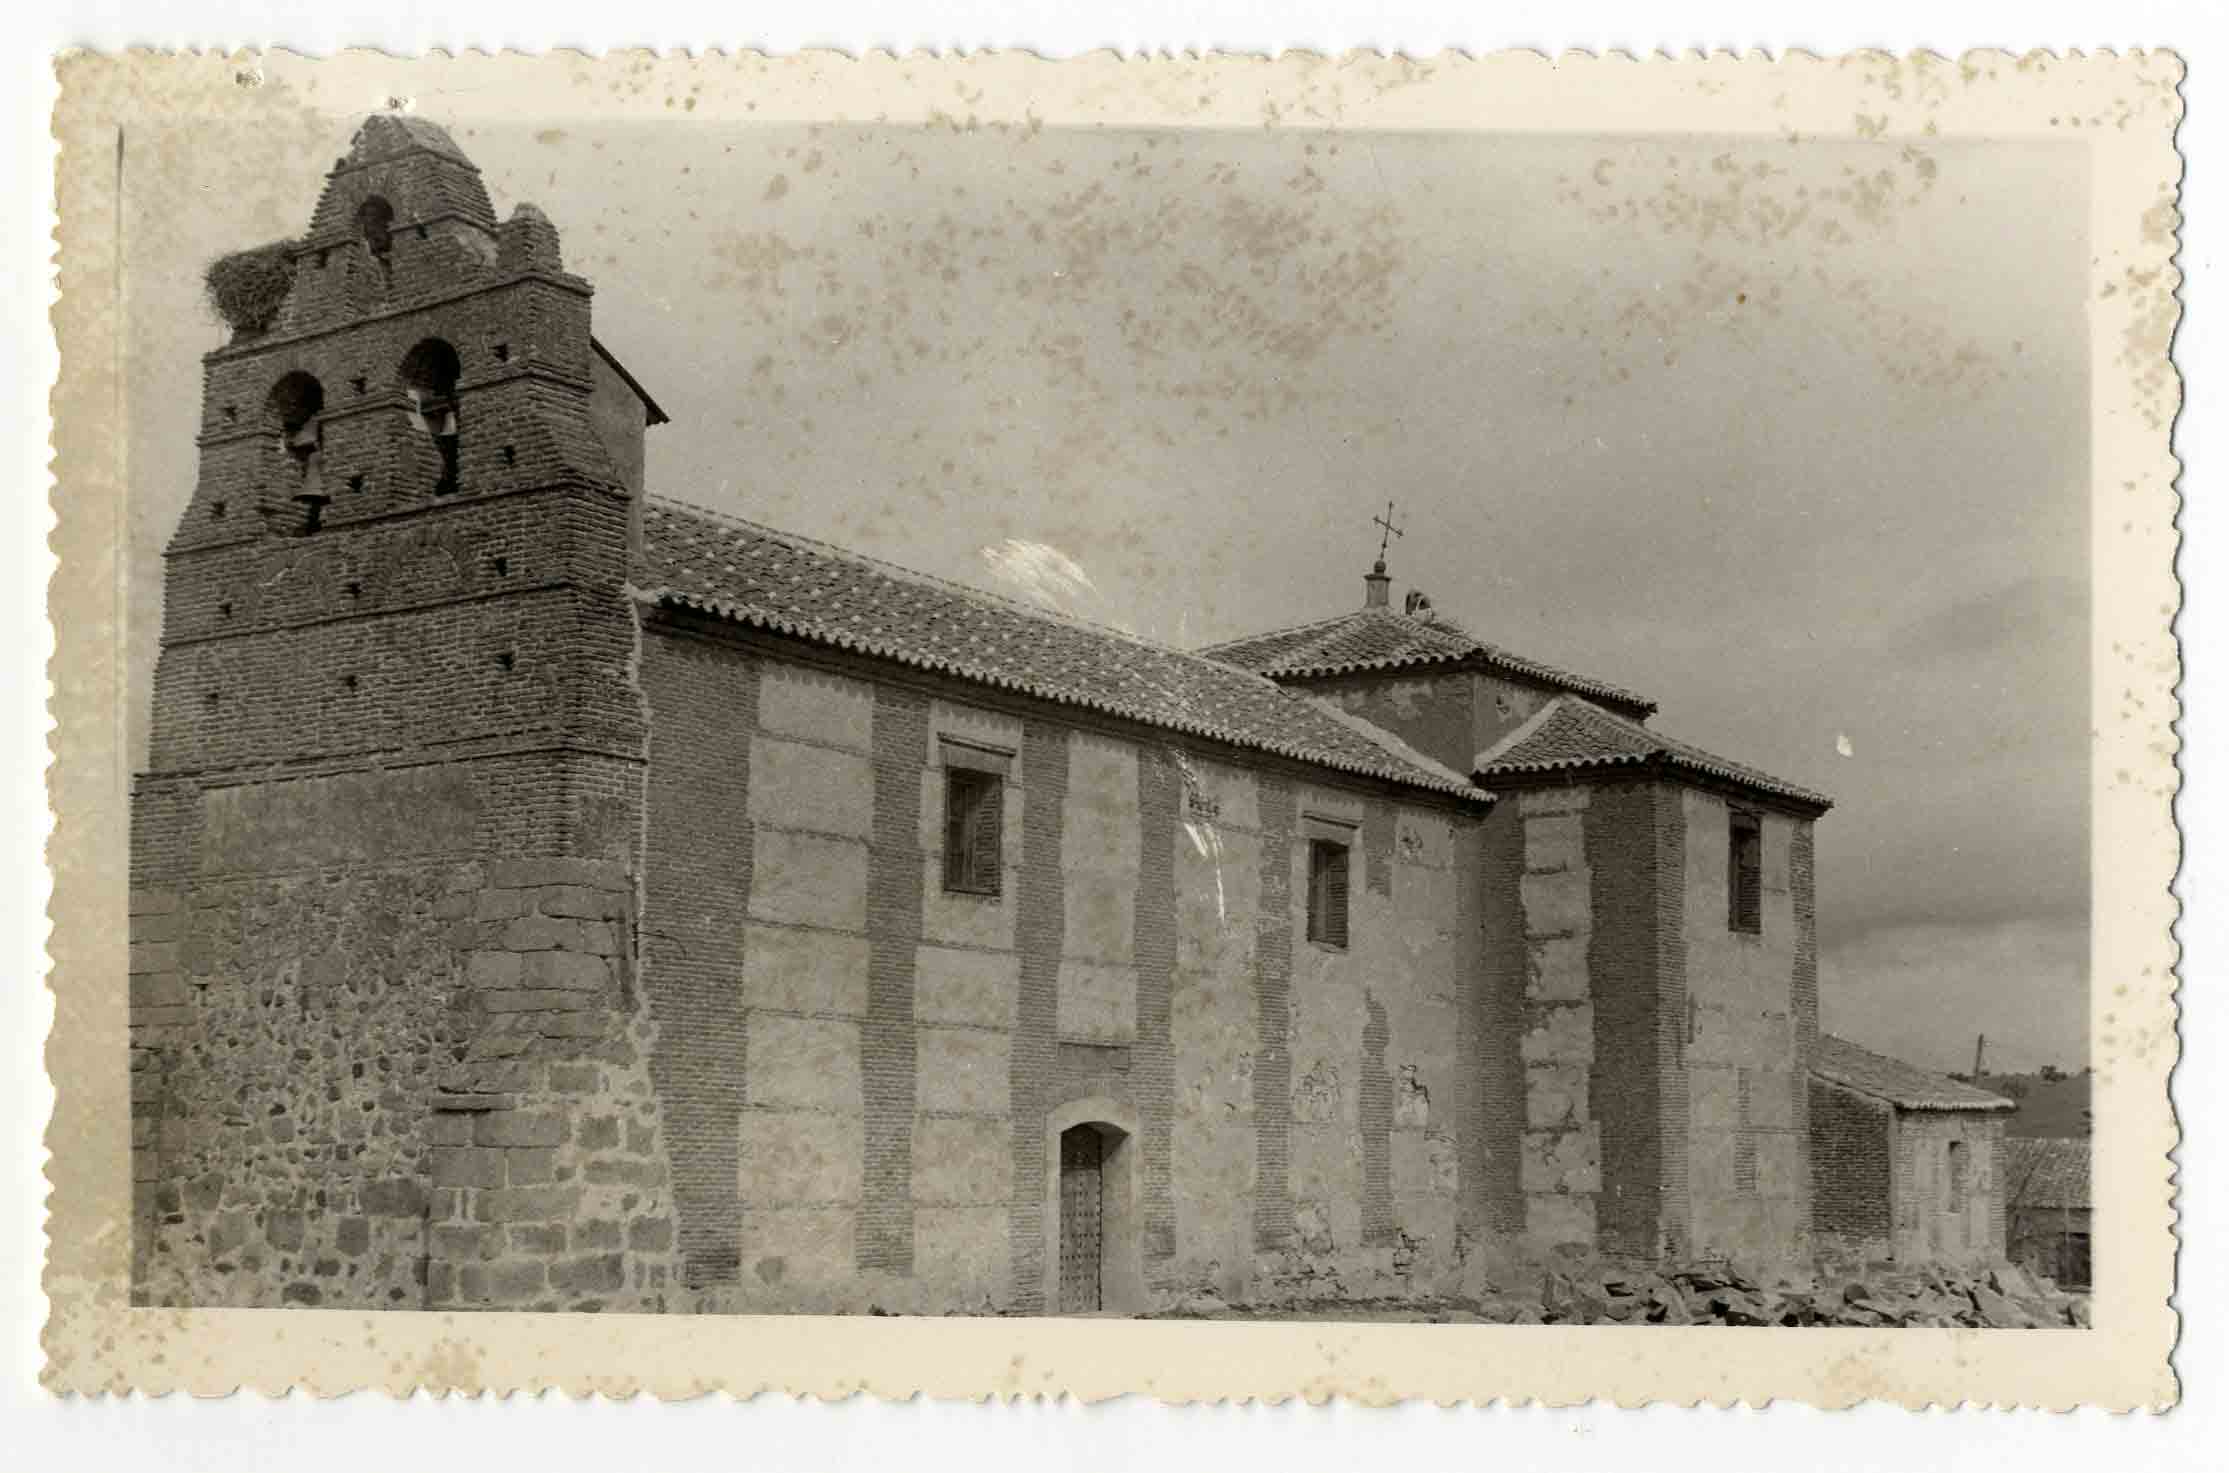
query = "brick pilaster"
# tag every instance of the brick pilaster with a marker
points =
(1273, 1063)
(883, 1230)
(1040, 927)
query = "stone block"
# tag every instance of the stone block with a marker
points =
(796, 1246)
(1423, 1165)
(518, 1128)
(811, 788)
(466, 1242)
(1772, 1098)
(516, 1281)
(963, 1071)
(537, 1001)
(793, 1158)
(803, 1063)
(1555, 842)
(962, 1162)
(1713, 1096)
(1099, 902)
(598, 1273)
(1556, 1095)
(541, 933)
(983, 922)
(1097, 1003)
(531, 1166)
(1562, 1034)
(578, 902)
(1556, 969)
(953, 986)
(570, 971)
(1557, 904)
(1556, 1219)
(467, 1166)
(397, 1197)
(1561, 1160)
(528, 1204)
(962, 1254)
(804, 971)
(809, 880)
(796, 702)
(1326, 1162)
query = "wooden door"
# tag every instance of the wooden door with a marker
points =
(1082, 1155)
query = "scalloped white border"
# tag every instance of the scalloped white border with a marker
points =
(2124, 108)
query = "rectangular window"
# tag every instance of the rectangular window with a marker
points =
(1327, 892)
(974, 829)
(1745, 865)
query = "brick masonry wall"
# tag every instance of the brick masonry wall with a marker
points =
(1852, 1137)
(697, 876)
(359, 718)
(1153, 1071)
(1674, 1104)
(1272, 1063)
(1804, 986)
(1039, 935)
(1493, 1155)
(1625, 1084)
(887, 1040)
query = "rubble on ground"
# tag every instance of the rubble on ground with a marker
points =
(1872, 1296)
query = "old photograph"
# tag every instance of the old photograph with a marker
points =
(978, 716)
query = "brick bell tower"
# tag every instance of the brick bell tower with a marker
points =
(383, 853)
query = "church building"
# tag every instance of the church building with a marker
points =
(548, 894)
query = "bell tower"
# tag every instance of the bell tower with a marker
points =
(395, 669)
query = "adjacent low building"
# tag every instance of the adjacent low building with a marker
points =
(1909, 1164)
(2047, 1208)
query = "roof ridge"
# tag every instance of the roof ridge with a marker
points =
(1523, 731)
(1284, 633)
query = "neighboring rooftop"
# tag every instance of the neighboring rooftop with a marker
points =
(1377, 638)
(1574, 735)
(704, 560)
(2046, 1172)
(1907, 1086)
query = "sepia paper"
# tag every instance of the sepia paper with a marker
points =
(1782, 177)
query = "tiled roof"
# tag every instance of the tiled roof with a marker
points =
(703, 560)
(1380, 639)
(2046, 1172)
(1904, 1085)
(1574, 735)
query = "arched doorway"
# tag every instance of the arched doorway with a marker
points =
(1092, 1262)
(1083, 1195)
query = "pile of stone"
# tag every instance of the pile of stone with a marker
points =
(1998, 1298)
(1875, 1296)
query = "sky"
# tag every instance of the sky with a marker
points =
(1788, 435)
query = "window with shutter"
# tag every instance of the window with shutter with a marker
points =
(974, 826)
(1745, 874)
(1327, 892)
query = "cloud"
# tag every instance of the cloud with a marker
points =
(1922, 992)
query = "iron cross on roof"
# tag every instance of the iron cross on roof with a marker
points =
(1385, 540)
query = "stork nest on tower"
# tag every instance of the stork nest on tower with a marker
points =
(248, 287)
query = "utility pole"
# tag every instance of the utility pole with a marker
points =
(1980, 1039)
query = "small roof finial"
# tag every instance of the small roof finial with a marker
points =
(1375, 583)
